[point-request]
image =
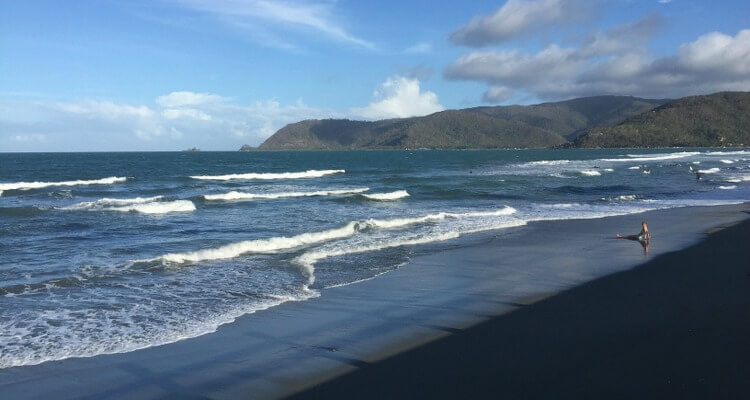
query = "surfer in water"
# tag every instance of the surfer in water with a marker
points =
(643, 236)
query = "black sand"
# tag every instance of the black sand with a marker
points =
(677, 327)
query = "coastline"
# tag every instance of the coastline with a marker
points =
(674, 327)
(294, 346)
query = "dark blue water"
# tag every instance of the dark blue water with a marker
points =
(110, 252)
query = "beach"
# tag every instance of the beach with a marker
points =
(675, 326)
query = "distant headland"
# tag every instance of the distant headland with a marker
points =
(716, 120)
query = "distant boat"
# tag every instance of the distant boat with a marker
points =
(193, 149)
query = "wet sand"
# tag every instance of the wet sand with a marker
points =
(677, 327)
(493, 315)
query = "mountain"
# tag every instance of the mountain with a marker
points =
(535, 126)
(572, 117)
(716, 120)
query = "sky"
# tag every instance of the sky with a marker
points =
(153, 75)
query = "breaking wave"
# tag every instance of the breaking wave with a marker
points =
(234, 195)
(277, 244)
(39, 185)
(143, 205)
(312, 173)
(652, 157)
(157, 207)
(398, 194)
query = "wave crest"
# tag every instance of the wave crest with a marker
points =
(398, 194)
(234, 195)
(38, 185)
(312, 173)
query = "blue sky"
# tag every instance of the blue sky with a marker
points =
(171, 74)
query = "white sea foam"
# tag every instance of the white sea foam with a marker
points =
(635, 167)
(738, 179)
(39, 185)
(276, 244)
(709, 171)
(626, 197)
(401, 222)
(112, 202)
(652, 157)
(560, 205)
(727, 161)
(312, 173)
(590, 172)
(157, 207)
(308, 260)
(112, 338)
(609, 169)
(398, 194)
(234, 195)
(271, 245)
(547, 162)
(143, 205)
(727, 153)
(730, 187)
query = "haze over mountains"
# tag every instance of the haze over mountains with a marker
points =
(721, 119)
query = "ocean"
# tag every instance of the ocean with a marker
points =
(113, 252)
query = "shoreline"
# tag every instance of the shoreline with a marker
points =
(292, 347)
(674, 327)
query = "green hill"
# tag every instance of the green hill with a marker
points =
(572, 117)
(721, 119)
(717, 120)
(535, 126)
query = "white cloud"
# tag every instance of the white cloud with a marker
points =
(176, 113)
(613, 62)
(717, 53)
(186, 99)
(400, 97)
(270, 21)
(516, 17)
(185, 119)
(177, 120)
(29, 137)
(105, 110)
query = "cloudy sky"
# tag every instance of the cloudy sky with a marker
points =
(102, 75)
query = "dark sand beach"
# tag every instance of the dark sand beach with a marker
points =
(587, 325)
(676, 327)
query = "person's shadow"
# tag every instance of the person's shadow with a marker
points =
(643, 242)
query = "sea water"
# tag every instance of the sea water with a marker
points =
(112, 252)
